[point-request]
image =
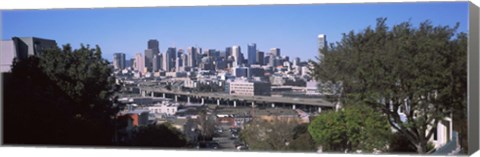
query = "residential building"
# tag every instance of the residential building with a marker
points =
(21, 48)
(8, 53)
(29, 46)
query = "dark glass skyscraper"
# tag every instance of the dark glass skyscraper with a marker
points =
(252, 53)
(260, 57)
(154, 45)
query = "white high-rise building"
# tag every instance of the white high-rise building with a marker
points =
(139, 62)
(237, 54)
(322, 42)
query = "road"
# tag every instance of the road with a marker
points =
(224, 138)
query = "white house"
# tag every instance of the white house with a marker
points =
(164, 107)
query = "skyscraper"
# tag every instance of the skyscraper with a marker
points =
(260, 57)
(237, 54)
(252, 53)
(171, 56)
(165, 62)
(157, 62)
(322, 42)
(178, 63)
(192, 57)
(119, 60)
(184, 60)
(228, 51)
(154, 45)
(149, 53)
(275, 52)
(139, 63)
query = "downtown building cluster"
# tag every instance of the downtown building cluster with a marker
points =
(238, 71)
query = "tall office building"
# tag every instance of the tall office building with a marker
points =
(228, 51)
(252, 53)
(260, 58)
(178, 63)
(322, 42)
(275, 52)
(237, 54)
(139, 62)
(154, 45)
(296, 61)
(119, 61)
(184, 60)
(149, 53)
(272, 60)
(157, 63)
(169, 59)
(192, 56)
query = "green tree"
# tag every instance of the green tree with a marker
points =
(353, 128)
(418, 71)
(207, 125)
(61, 96)
(164, 135)
(302, 140)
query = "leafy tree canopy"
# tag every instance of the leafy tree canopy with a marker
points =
(353, 128)
(420, 72)
(164, 135)
(61, 96)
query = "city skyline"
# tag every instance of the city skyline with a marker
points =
(292, 28)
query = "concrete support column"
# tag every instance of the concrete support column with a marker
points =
(293, 107)
(234, 103)
(188, 99)
(144, 93)
(176, 98)
(319, 109)
(218, 102)
(253, 104)
(164, 96)
(273, 105)
(203, 101)
(152, 94)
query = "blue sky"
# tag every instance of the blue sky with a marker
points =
(292, 28)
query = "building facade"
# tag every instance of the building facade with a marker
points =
(246, 88)
(119, 61)
(252, 53)
(22, 47)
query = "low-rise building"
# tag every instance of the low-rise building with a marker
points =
(249, 88)
(312, 88)
(165, 107)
